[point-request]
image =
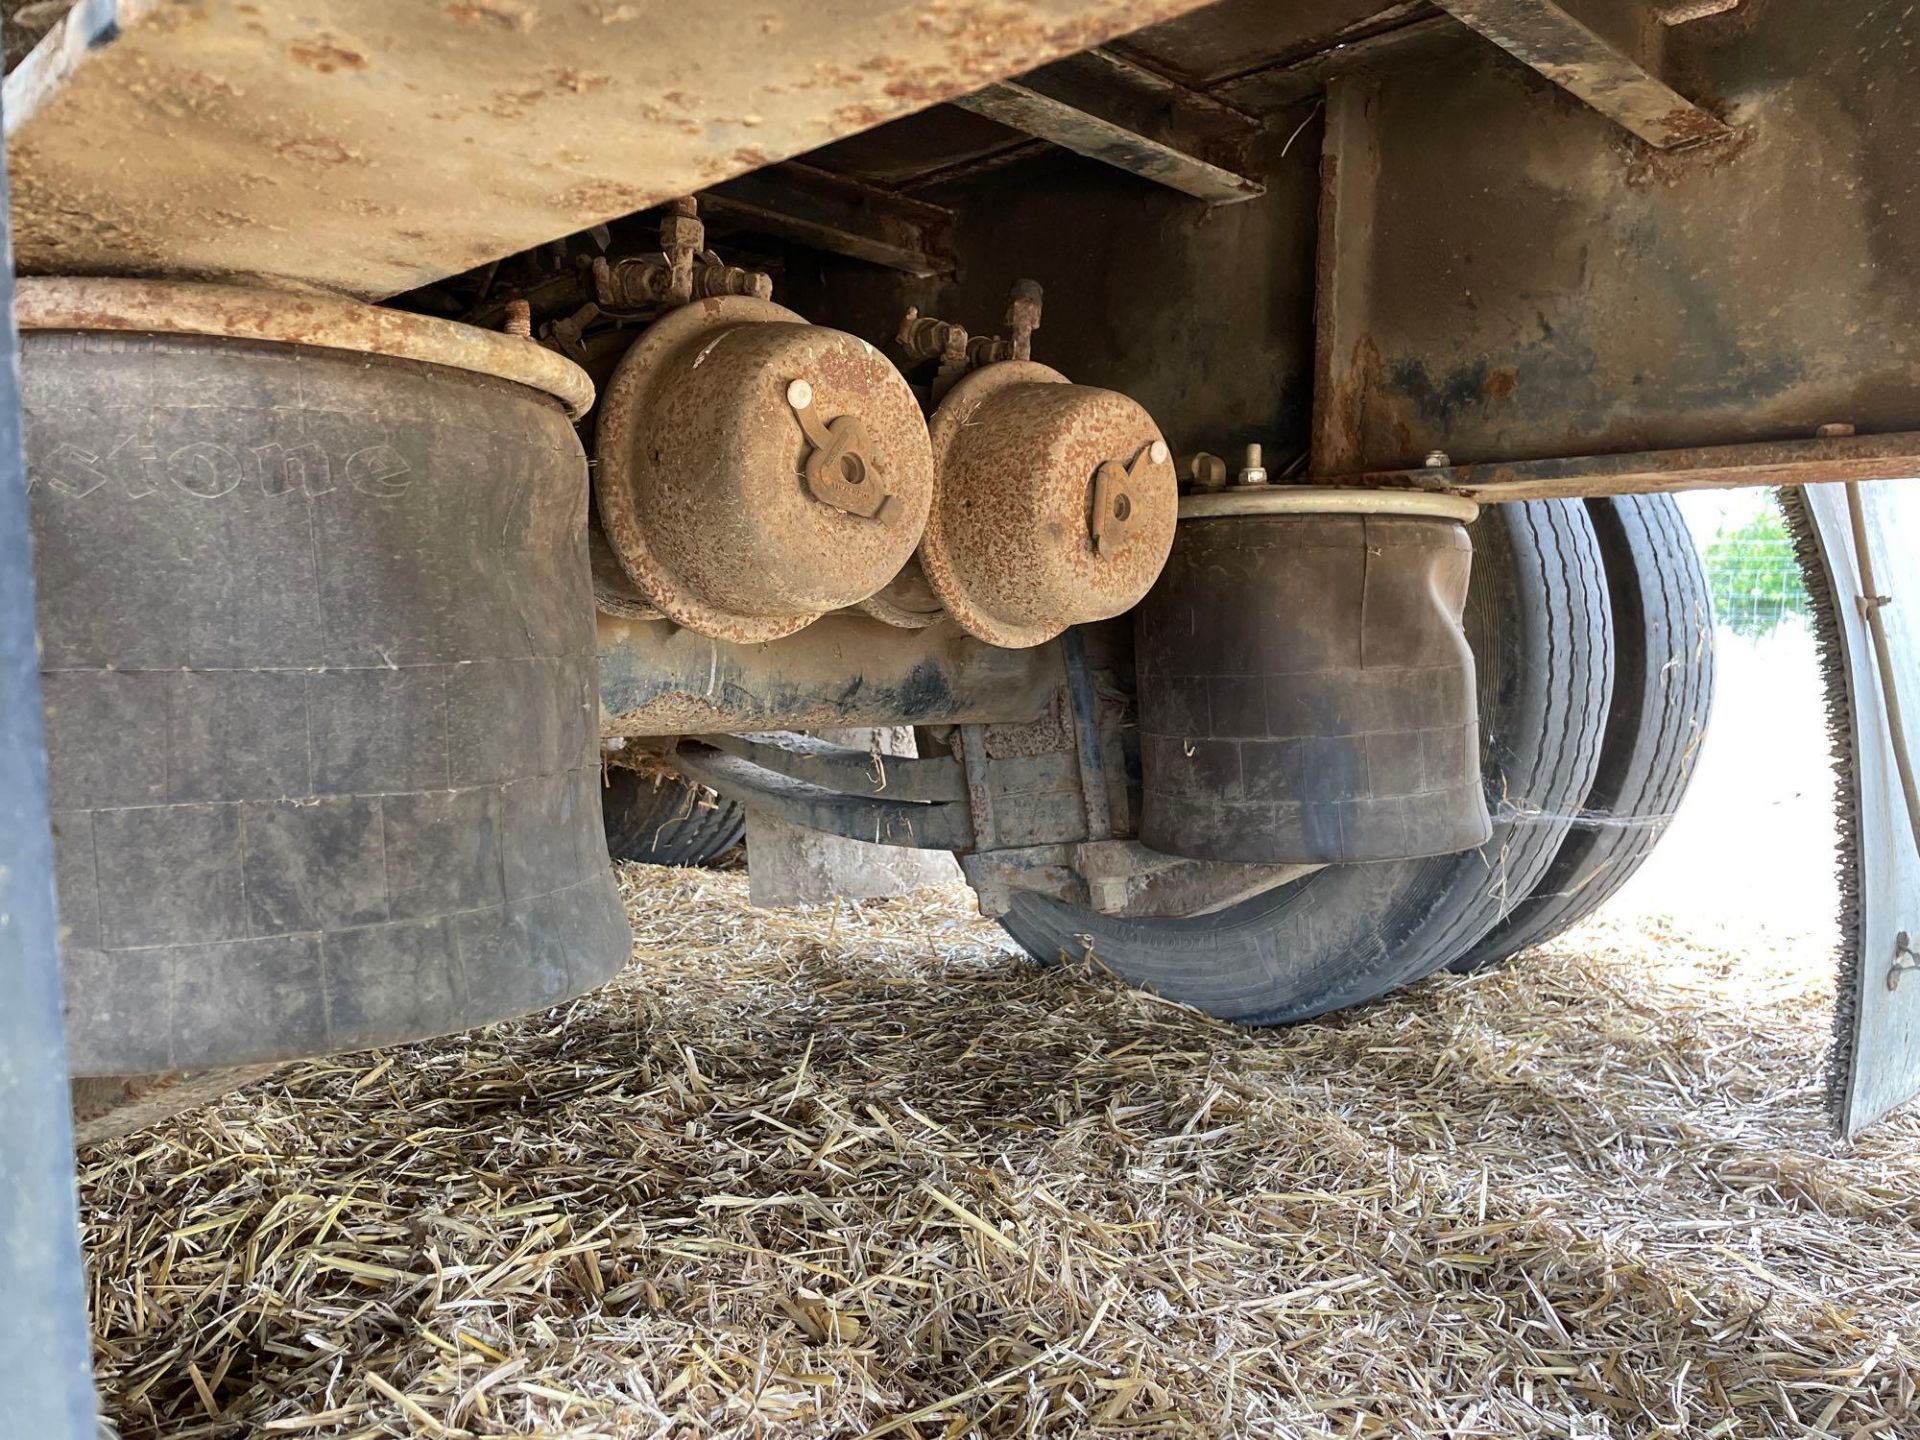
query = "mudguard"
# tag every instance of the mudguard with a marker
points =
(1856, 545)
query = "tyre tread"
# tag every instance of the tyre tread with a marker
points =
(664, 820)
(1661, 614)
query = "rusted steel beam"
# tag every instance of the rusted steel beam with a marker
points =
(367, 147)
(1581, 60)
(1343, 360)
(1381, 41)
(1130, 94)
(838, 214)
(1106, 108)
(1713, 467)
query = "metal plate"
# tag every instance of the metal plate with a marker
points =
(148, 307)
(1324, 500)
(370, 147)
(1232, 37)
(1877, 1060)
(1521, 280)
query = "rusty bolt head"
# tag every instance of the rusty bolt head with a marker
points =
(681, 232)
(519, 319)
(1023, 303)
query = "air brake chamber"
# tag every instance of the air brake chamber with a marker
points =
(1306, 690)
(757, 472)
(318, 661)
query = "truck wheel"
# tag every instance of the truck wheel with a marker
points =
(1663, 689)
(663, 820)
(1536, 621)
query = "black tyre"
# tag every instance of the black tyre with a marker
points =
(1662, 691)
(1536, 620)
(664, 820)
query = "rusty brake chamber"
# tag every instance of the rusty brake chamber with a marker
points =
(754, 471)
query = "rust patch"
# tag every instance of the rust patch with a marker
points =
(1499, 386)
(580, 82)
(326, 55)
(507, 14)
(601, 197)
(512, 104)
(983, 46)
(1686, 125)
(1647, 167)
(1348, 407)
(316, 151)
(861, 117)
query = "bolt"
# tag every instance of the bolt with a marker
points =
(1253, 472)
(799, 394)
(1836, 430)
(1159, 452)
(1023, 318)
(519, 321)
(924, 338)
(712, 280)
(1903, 960)
(1438, 460)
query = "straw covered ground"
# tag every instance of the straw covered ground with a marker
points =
(866, 1173)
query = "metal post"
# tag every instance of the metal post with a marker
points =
(44, 1367)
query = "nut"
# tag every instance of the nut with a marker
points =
(1253, 472)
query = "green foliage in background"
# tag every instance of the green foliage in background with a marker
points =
(1753, 576)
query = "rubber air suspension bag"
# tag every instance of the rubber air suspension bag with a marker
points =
(317, 643)
(1306, 690)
